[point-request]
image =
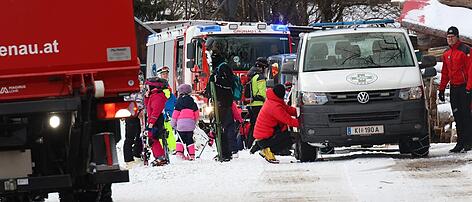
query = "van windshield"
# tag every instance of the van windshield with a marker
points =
(357, 50)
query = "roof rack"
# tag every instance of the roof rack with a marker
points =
(353, 23)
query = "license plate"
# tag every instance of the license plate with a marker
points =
(365, 130)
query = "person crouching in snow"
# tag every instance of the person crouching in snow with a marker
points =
(271, 132)
(155, 99)
(184, 119)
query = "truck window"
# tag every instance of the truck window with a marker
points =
(357, 50)
(241, 51)
(179, 65)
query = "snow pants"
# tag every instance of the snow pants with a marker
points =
(158, 131)
(133, 145)
(460, 105)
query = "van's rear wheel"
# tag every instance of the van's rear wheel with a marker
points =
(305, 152)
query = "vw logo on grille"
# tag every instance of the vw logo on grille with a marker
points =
(363, 97)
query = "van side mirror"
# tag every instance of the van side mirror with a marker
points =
(289, 68)
(191, 51)
(429, 72)
(427, 61)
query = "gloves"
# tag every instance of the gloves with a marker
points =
(441, 96)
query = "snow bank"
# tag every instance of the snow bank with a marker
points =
(432, 14)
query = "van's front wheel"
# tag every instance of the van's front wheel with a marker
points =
(420, 147)
(305, 152)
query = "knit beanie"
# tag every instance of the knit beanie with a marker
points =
(184, 89)
(453, 30)
(279, 91)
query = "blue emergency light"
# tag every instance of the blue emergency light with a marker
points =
(283, 28)
(210, 28)
(358, 22)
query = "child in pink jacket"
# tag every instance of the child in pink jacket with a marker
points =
(184, 119)
(155, 101)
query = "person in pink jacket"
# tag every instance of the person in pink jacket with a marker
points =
(184, 119)
(155, 100)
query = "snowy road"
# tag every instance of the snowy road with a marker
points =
(352, 175)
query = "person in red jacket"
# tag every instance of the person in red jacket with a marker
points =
(155, 101)
(455, 71)
(271, 131)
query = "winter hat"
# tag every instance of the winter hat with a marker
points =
(262, 62)
(184, 89)
(453, 30)
(279, 91)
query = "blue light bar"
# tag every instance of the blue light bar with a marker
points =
(358, 22)
(210, 28)
(283, 28)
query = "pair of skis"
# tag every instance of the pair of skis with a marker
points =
(146, 154)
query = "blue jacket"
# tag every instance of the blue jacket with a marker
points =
(170, 104)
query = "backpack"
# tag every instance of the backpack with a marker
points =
(237, 88)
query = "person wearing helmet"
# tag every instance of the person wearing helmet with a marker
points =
(155, 98)
(163, 73)
(222, 75)
(257, 93)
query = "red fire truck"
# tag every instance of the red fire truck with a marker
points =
(64, 71)
(181, 46)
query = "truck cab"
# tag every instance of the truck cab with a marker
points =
(359, 86)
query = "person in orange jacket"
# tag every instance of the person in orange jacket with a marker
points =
(271, 131)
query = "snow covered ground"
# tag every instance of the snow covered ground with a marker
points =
(352, 174)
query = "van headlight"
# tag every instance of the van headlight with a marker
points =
(413, 93)
(311, 98)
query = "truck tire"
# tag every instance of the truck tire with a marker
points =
(305, 152)
(420, 148)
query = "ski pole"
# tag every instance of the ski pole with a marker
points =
(181, 141)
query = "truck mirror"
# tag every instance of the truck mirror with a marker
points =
(427, 61)
(289, 68)
(191, 51)
(429, 72)
(270, 83)
(190, 64)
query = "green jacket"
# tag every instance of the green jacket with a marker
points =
(258, 87)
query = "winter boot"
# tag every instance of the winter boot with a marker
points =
(457, 149)
(179, 150)
(268, 155)
(161, 161)
(191, 152)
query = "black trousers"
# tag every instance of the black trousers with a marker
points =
(460, 105)
(278, 142)
(227, 124)
(186, 136)
(253, 114)
(133, 146)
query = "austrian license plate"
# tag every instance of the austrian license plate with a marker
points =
(365, 130)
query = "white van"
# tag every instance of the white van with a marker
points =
(360, 86)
